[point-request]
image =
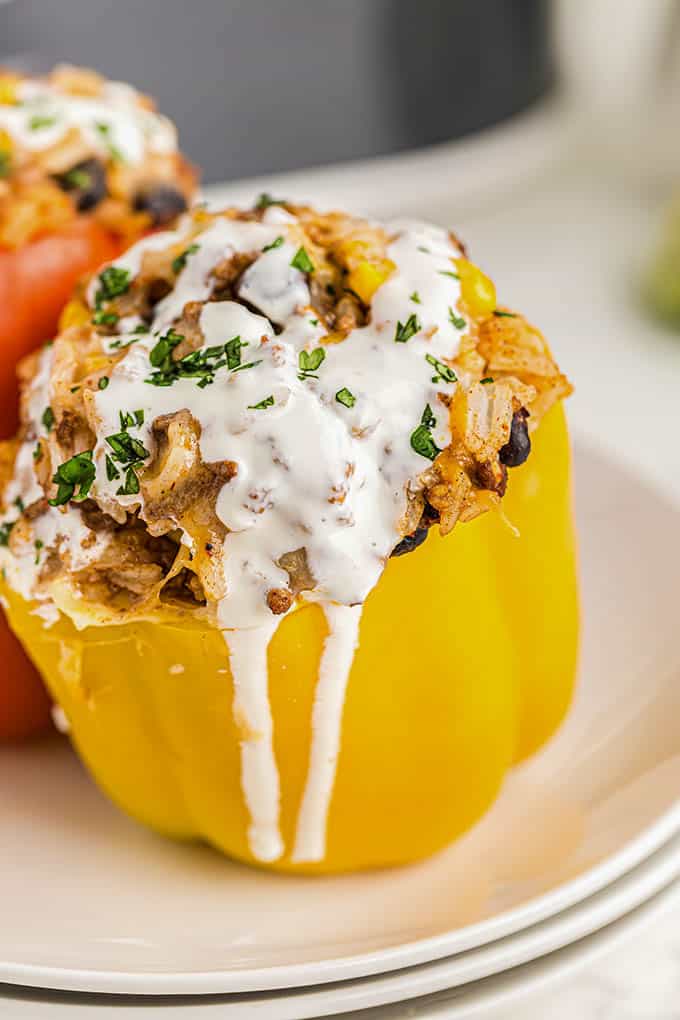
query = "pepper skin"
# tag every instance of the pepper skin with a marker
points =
(465, 666)
(36, 281)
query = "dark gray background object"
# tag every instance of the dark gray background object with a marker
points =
(266, 85)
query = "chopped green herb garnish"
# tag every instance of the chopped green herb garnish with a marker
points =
(314, 322)
(309, 362)
(5, 163)
(6, 531)
(103, 382)
(421, 247)
(113, 281)
(112, 472)
(76, 473)
(41, 120)
(302, 261)
(456, 320)
(128, 420)
(267, 402)
(275, 244)
(38, 546)
(74, 389)
(486, 380)
(504, 315)
(180, 262)
(105, 131)
(130, 486)
(406, 330)
(444, 373)
(415, 297)
(142, 327)
(264, 201)
(448, 272)
(232, 349)
(118, 345)
(248, 364)
(421, 437)
(200, 365)
(345, 397)
(37, 453)
(48, 419)
(19, 504)
(330, 289)
(76, 178)
(126, 449)
(102, 318)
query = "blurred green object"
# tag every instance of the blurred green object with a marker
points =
(661, 283)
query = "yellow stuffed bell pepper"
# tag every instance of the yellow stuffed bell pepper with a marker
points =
(221, 690)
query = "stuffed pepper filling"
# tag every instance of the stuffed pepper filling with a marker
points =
(73, 142)
(255, 410)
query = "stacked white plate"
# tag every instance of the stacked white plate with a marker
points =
(580, 837)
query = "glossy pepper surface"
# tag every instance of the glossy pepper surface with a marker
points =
(465, 666)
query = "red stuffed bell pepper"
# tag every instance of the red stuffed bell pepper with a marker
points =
(86, 167)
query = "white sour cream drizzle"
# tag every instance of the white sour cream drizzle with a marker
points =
(336, 663)
(313, 474)
(112, 124)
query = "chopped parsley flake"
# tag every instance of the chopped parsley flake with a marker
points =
(74, 389)
(19, 504)
(275, 244)
(486, 380)
(76, 473)
(504, 315)
(103, 382)
(456, 320)
(130, 486)
(302, 261)
(180, 262)
(421, 247)
(421, 437)
(41, 120)
(6, 531)
(444, 373)
(102, 318)
(406, 330)
(38, 546)
(5, 163)
(309, 362)
(104, 131)
(200, 365)
(415, 297)
(77, 178)
(265, 200)
(113, 281)
(345, 397)
(448, 272)
(48, 419)
(267, 402)
(314, 322)
(112, 472)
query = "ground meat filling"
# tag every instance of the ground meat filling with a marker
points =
(167, 544)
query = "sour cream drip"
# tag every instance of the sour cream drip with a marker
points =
(336, 663)
(253, 718)
(113, 124)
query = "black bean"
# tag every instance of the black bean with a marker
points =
(161, 201)
(86, 181)
(518, 447)
(410, 543)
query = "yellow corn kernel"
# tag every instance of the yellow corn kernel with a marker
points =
(75, 313)
(477, 290)
(8, 89)
(365, 278)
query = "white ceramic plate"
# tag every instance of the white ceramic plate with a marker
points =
(458, 983)
(93, 902)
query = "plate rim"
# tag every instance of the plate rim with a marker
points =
(391, 958)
